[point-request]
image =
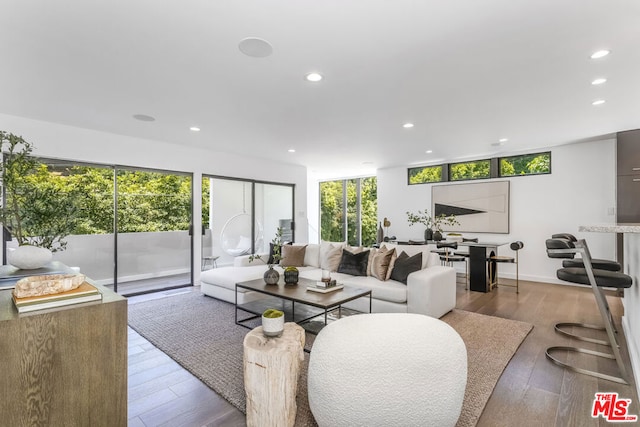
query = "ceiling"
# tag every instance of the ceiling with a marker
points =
(467, 73)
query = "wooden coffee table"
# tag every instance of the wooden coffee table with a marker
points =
(298, 304)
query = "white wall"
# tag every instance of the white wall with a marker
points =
(579, 191)
(72, 143)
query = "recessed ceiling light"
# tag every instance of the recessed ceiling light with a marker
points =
(407, 125)
(598, 81)
(144, 118)
(429, 151)
(255, 47)
(194, 128)
(599, 54)
(598, 102)
(503, 139)
(313, 77)
(291, 150)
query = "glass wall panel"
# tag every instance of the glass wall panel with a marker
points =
(331, 211)
(153, 225)
(89, 188)
(231, 219)
(274, 208)
(360, 195)
(244, 216)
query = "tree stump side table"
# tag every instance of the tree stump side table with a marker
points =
(271, 370)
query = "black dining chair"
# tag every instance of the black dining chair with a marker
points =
(446, 250)
(595, 278)
(495, 259)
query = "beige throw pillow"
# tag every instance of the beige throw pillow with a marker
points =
(381, 262)
(330, 258)
(292, 256)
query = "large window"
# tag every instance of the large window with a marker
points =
(526, 164)
(479, 169)
(425, 174)
(508, 166)
(349, 211)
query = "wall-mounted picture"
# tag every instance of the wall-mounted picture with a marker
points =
(481, 207)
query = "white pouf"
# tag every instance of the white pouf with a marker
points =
(387, 369)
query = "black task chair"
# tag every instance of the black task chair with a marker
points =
(596, 278)
(493, 260)
(446, 250)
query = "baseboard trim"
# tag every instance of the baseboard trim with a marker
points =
(634, 355)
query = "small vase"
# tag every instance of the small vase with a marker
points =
(271, 276)
(28, 257)
(437, 236)
(428, 234)
(380, 236)
(291, 275)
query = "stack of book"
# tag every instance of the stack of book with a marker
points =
(84, 293)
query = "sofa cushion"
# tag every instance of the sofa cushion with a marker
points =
(429, 259)
(354, 263)
(293, 256)
(312, 255)
(390, 290)
(406, 265)
(382, 261)
(330, 255)
(271, 260)
(227, 277)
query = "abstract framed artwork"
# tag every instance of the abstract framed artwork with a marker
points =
(481, 207)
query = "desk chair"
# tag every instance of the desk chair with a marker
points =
(493, 260)
(596, 279)
(448, 257)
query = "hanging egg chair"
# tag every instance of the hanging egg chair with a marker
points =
(235, 237)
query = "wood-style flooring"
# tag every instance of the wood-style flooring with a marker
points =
(531, 392)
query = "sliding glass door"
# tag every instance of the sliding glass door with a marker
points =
(244, 216)
(153, 230)
(130, 227)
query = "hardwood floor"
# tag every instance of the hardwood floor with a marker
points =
(531, 392)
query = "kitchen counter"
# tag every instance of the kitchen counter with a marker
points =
(612, 228)
(631, 300)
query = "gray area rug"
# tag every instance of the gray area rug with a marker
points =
(200, 334)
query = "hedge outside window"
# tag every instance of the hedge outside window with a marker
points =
(478, 169)
(526, 164)
(425, 174)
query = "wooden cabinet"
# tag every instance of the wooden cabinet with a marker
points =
(628, 171)
(65, 366)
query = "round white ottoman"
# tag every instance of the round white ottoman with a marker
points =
(388, 369)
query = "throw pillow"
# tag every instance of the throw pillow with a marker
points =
(354, 264)
(293, 256)
(372, 253)
(406, 265)
(271, 260)
(381, 261)
(330, 258)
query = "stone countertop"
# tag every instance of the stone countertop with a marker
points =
(612, 228)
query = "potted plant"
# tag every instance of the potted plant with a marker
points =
(272, 322)
(433, 224)
(37, 214)
(271, 276)
(441, 220)
(423, 218)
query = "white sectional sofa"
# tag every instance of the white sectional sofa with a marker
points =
(430, 290)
